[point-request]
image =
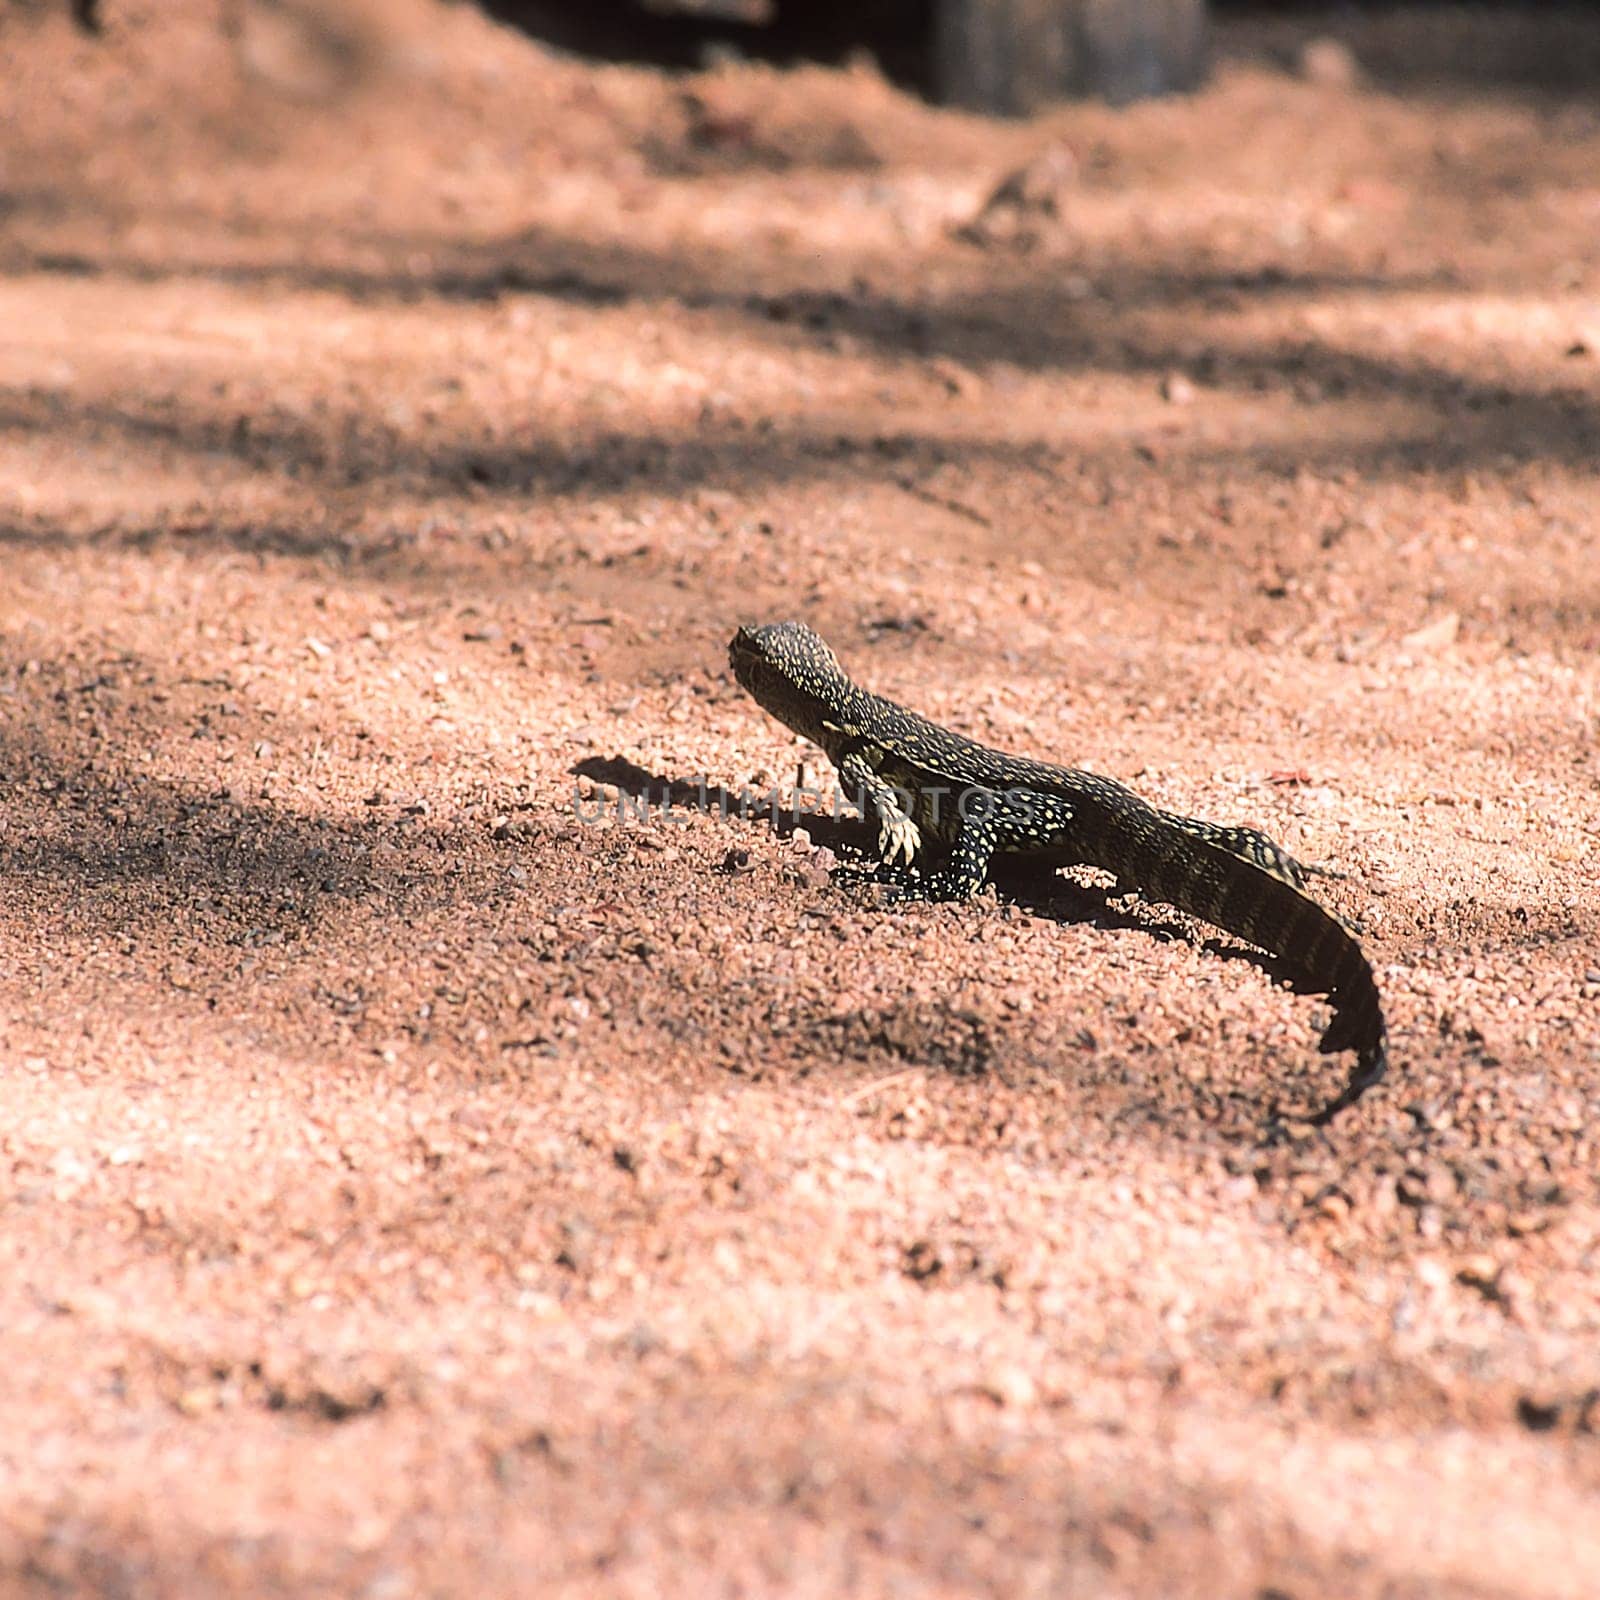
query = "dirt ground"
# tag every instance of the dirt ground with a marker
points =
(416, 1179)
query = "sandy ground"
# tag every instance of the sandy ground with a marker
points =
(415, 1180)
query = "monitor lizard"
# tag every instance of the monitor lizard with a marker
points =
(938, 794)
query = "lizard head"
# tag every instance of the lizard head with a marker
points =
(791, 673)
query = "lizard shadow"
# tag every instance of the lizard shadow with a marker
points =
(1041, 892)
(1044, 894)
(650, 791)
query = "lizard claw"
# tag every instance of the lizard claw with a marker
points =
(898, 836)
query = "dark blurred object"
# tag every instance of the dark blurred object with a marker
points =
(1013, 56)
(1004, 56)
(1438, 46)
(758, 12)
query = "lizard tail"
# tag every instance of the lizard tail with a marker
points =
(1241, 882)
(1357, 1022)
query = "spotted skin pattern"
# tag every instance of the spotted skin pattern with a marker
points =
(939, 794)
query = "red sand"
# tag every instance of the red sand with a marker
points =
(409, 1189)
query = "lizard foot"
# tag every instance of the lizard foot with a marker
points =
(898, 836)
(892, 883)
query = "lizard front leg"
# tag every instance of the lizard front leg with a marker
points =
(1013, 821)
(898, 835)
